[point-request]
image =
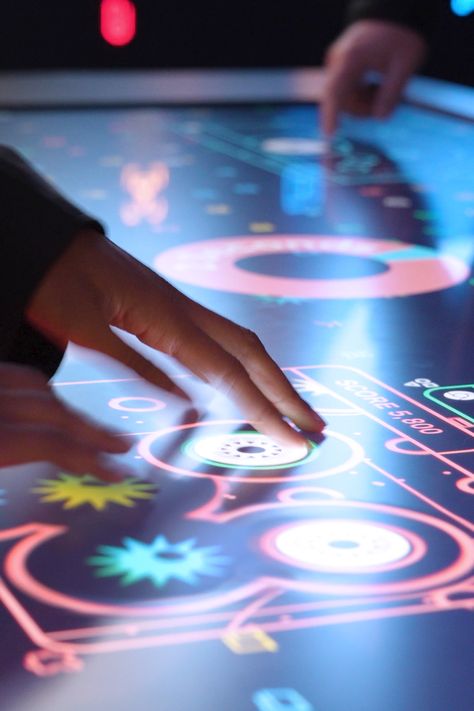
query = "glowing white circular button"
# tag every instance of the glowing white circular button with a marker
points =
(341, 545)
(245, 449)
(459, 395)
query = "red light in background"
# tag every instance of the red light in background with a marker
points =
(118, 21)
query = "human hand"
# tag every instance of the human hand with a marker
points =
(36, 426)
(95, 285)
(388, 48)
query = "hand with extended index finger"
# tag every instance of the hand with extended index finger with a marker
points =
(388, 48)
(36, 426)
(96, 285)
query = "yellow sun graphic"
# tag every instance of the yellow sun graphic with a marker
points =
(77, 491)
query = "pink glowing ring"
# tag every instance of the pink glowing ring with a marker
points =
(402, 547)
(117, 403)
(397, 445)
(144, 449)
(213, 264)
(466, 485)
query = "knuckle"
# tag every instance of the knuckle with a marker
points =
(251, 343)
(229, 376)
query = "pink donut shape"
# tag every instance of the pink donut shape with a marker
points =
(411, 269)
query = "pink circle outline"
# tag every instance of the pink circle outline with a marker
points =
(115, 404)
(357, 454)
(417, 544)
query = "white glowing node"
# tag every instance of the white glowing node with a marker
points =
(245, 449)
(294, 146)
(341, 545)
(459, 395)
(136, 404)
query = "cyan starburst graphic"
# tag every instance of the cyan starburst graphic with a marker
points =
(159, 561)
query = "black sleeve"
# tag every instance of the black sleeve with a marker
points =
(419, 15)
(37, 224)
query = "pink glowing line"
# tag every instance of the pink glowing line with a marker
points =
(441, 597)
(116, 404)
(44, 662)
(422, 497)
(15, 566)
(418, 550)
(465, 485)
(93, 382)
(287, 610)
(392, 446)
(26, 622)
(253, 607)
(462, 564)
(144, 450)
(391, 427)
(459, 451)
(282, 625)
(218, 618)
(206, 511)
(298, 369)
(16, 570)
(288, 495)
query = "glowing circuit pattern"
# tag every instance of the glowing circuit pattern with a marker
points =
(450, 395)
(347, 453)
(159, 561)
(76, 491)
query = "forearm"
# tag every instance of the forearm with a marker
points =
(37, 224)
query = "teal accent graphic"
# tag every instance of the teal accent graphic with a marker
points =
(408, 255)
(159, 561)
(188, 449)
(453, 397)
(281, 700)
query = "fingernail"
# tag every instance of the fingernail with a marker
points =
(314, 415)
(319, 420)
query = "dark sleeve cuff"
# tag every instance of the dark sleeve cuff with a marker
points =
(419, 15)
(37, 224)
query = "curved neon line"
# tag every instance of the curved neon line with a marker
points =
(418, 550)
(16, 569)
(357, 454)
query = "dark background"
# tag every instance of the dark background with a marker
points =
(40, 34)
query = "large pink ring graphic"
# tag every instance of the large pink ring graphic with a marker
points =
(410, 269)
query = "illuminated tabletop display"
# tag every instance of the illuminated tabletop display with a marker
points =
(230, 573)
